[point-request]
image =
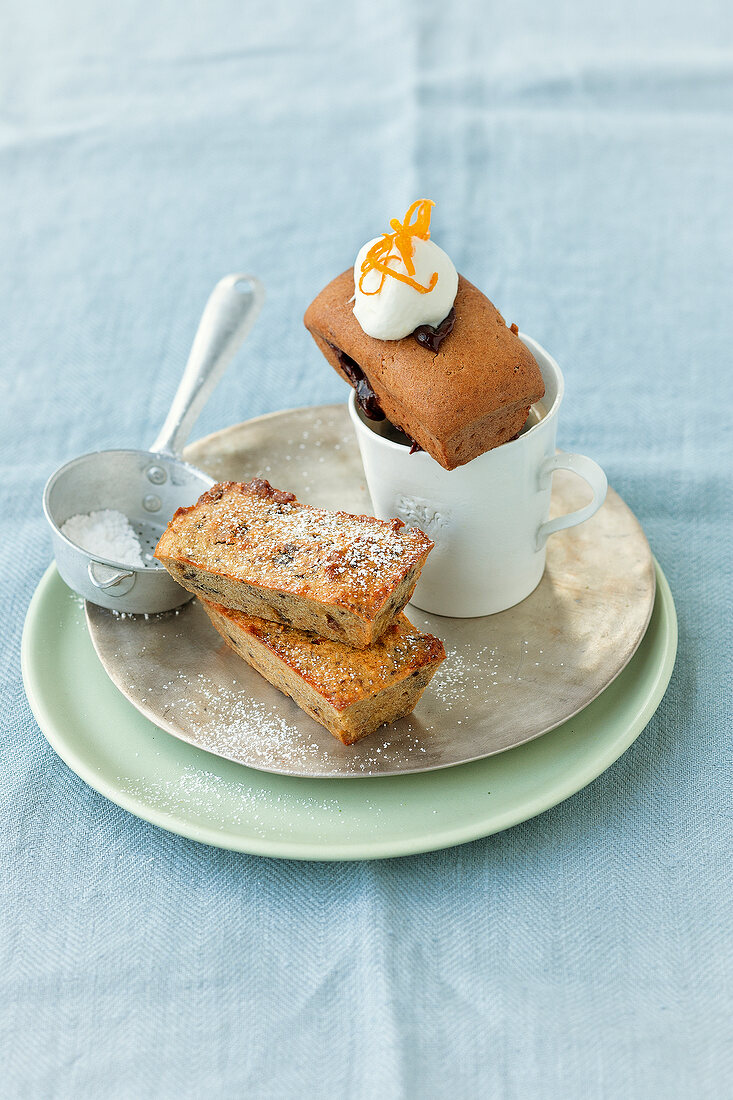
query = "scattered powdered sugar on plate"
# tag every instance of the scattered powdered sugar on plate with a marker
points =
(456, 677)
(108, 534)
(223, 721)
(232, 724)
(225, 802)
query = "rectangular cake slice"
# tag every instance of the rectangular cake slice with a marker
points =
(349, 691)
(257, 550)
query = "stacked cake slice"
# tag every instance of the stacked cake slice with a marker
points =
(312, 599)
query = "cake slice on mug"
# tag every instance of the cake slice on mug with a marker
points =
(423, 347)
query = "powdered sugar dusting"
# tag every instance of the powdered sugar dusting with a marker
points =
(231, 723)
(223, 802)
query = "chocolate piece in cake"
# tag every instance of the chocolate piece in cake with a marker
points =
(349, 691)
(256, 549)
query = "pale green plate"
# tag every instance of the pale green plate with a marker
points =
(190, 792)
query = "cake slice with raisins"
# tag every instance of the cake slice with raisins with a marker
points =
(256, 549)
(349, 691)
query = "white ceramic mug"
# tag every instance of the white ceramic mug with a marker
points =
(489, 518)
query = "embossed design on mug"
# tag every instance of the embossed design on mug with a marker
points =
(418, 512)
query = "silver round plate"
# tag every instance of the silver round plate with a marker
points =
(507, 679)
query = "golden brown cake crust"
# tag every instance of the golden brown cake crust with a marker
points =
(258, 550)
(350, 692)
(471, 395)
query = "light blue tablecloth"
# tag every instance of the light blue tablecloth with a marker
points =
(581, 159)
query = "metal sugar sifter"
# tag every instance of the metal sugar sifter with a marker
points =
(148, 486)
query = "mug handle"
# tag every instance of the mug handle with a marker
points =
(584, 467)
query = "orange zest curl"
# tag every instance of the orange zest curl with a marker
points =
(378, 257)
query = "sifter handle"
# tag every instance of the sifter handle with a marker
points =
(227, 319)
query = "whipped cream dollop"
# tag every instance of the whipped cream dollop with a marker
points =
(389, 307)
